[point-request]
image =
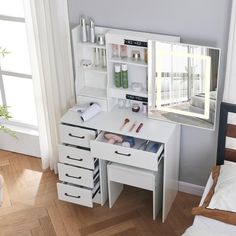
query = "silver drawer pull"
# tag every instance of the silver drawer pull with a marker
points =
(68, 195)
(68, 157)
(123, 154)
(75, 177)
(75, 136)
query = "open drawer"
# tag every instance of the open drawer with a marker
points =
(79, 195)
(125, 155)
(78, 176)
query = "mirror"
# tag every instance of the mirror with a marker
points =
(183, 83)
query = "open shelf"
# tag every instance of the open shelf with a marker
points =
(128, 61)
(121, 93)
(91, 45)
(94, 69)
(93, 92)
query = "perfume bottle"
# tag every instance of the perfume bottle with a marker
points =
(83, 30)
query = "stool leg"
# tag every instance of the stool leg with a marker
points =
(114, 191)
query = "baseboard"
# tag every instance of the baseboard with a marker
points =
(191, 188)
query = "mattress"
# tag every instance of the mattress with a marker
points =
(199, 101)
(210, 224)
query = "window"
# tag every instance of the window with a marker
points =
(16, 87)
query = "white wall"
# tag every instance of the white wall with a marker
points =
(199, 22)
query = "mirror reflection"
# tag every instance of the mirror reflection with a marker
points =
(184, 88)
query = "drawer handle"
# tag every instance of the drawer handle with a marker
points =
(75, 177)
(68, 195)
(75, 136)
(68, 157)
(123, 154)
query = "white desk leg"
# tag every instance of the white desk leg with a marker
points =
(157, 191)
(114, 191)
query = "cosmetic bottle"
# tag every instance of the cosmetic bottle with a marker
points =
(83, 30)
(124, 75)
(91, 31)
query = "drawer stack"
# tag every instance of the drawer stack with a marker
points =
(78, 171)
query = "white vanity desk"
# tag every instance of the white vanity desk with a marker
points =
(76, 133)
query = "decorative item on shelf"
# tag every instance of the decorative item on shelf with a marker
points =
(115, 50)
(135, 107)
(126, 121)
(135, 55)
(144, 107)
(136, 87)
(90, 112)
(83, 30)
(113, 138)
(104, 58)
(123, 51)
(100, 38)
(86, 63)
(117, 76)
(124, 75)
(91, 31)
(127, 104)
(121, 103)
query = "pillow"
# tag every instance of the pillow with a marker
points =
(220, 202)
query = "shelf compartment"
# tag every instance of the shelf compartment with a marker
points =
(128, 61)
(121, 93)
(93, 92)
(94, 69)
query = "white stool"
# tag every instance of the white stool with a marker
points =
(1, 190)
(121, 174)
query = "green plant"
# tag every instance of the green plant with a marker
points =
(4, 113)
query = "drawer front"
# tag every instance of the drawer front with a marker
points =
(76, 175)
(75, 156)
(76, 136)
(75, 194)
(124, 155)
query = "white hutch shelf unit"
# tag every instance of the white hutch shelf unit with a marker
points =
(85, 154)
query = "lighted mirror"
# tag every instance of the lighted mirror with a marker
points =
(183, 83)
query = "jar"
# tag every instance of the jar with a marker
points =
(124, 75)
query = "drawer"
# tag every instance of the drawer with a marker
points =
(132, 176)
(76, 136)
(76, 175)
(124, 155)
(75, 156)
(78, 195)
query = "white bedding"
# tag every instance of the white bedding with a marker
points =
(203, 226)
(199, 101)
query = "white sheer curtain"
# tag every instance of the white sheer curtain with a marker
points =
(230, 79)
(49, 38)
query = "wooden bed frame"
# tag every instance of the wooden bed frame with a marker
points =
(226, 130)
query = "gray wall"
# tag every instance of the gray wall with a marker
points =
(203, 22)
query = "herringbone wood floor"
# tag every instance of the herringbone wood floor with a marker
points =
(31, 207)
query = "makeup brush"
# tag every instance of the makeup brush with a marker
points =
(126, 121)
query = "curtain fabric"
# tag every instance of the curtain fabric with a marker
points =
(49, 38)
(230, 79)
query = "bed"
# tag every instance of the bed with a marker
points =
(197, 104)
(226, 157)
